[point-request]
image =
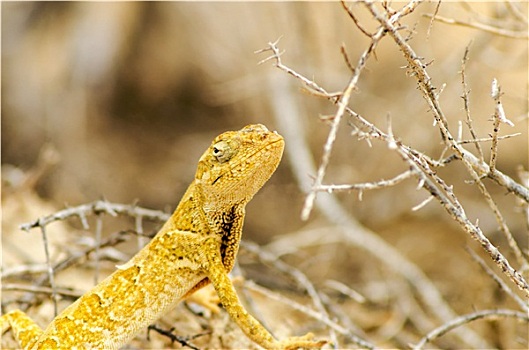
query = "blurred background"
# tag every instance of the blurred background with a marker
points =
(119, 100)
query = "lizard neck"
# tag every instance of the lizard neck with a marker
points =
(191, 215)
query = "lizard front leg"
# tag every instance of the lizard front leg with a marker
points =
(248, 324)
(25, 330)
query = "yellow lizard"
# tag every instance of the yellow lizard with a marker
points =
(196, 246)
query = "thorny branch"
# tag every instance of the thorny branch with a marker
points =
(94, 208)
(366, 186)
(350, 231)
(444, 192)
(437, 187)
(112, 240)
(420, 165)
(342, 101)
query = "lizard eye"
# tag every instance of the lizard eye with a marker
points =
(222, 151)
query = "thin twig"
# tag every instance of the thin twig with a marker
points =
(484, 314)
(423, 203)
(436, 11)
(184, 341)
(523, 175)
(481, 26)
(51, 273)
(346, 58)
(65, 292)
(355, 20)
(345, 290)
(498, 118)
(138, 224)
(466, 103)
(488, 139)
(23, 270)
(523, 304)
(482, 169)
(98, 234)
(367, 185)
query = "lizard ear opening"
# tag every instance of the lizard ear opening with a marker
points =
(203, 173)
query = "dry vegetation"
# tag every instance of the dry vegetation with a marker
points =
(407, 156)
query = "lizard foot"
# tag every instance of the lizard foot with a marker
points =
(304, 342)
(206, 297)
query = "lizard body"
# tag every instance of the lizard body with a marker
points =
(196, 246)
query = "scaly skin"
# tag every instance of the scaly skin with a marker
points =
(195, 247)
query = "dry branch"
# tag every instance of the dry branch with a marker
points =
(421, 166)
(353, 233)
(95, 208)
(437, 187)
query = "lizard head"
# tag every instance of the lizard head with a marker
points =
(237, 165)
